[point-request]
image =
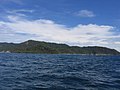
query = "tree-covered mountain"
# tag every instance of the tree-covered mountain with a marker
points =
(32, 46)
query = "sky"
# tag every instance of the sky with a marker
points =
(73, 22)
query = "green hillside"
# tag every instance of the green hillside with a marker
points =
(31, 46)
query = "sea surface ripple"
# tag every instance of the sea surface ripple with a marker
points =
(59, 72)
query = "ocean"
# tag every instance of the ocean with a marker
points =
(59, 72)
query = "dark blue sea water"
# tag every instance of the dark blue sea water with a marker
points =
(59, 72)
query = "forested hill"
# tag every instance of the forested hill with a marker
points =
(31, 46)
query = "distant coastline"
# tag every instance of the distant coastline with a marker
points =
(41, 47)
(5, 52)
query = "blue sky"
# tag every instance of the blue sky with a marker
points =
(74, 22)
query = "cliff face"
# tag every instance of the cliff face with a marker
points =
(31, 46)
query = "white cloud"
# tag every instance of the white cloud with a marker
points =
(117, 43)
(48, 30)
(85, 13)
(19, 12)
